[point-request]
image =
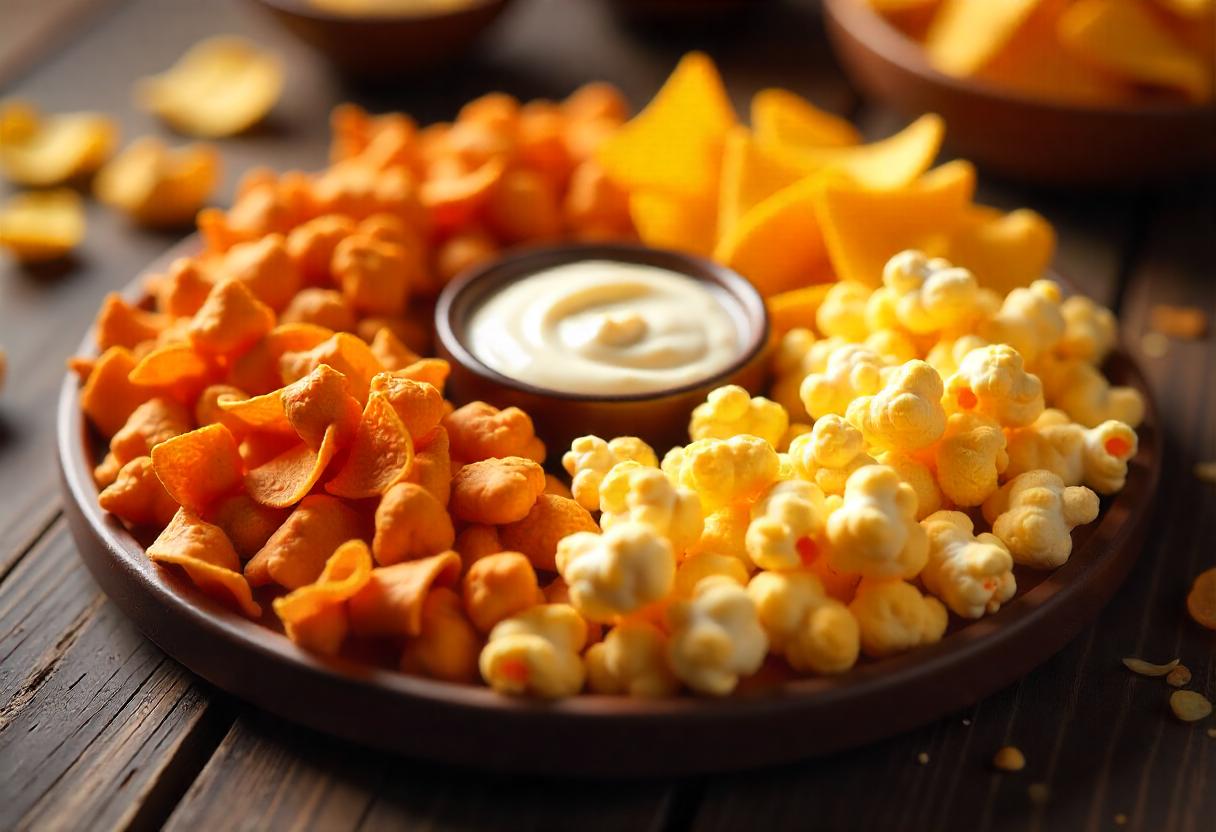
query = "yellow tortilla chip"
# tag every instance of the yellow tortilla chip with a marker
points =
(287, 479)
(314, 616)
(674, 221)
(42, 150)
(751, 173)
(1003, 250)
(43, 225)
(158, 186)
(863, 227)
(1126, 40)
(893, 162)
(777, 245)
(796, 308)
(965, 34)
(220, 87)
(674, 145)
(380, 455)
(783, 118)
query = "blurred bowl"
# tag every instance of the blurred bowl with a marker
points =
(384, 45)
(661, 417)
(1048, 142)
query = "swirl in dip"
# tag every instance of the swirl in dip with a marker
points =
(602, 327)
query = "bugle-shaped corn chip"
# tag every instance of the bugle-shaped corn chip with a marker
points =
(380, 455)
(287, 479)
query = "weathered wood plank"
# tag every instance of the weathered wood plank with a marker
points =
(95, 723)
(269, 774)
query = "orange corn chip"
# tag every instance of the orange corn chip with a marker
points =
(796, 308)
(390, 604)
(432, 466)
(312, 245)
(455, 197)
(296, 552)
(287, 479)
(346, 353)
(257, 371)
(1127, 40)
(173, 365)
(447, 646)
(410, 524)
(199, 466)
(674, 146)
(247, 523)
(1003, 250)
(965, 35)
(374, 275)
(319, 401)
(119, 324)
(266, 268)
(323, 307)
(151, 423)
(259, 413)
(390, 351)
(106, 471)
(260, 447)
(381, 454)
(182, 290)
(109, 398)
(432, 371)
(891, 163)
(751, 173)
(137, 496)
(418, 404)
(205, 554)
(864, 228)
(230, 321)
(777, 245)
(208, 411)
(314, 616)
(41, 225)
(783, 118)
(674, 221)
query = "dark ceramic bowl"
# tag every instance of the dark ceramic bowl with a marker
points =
(1016, 134)
(659, 418)
(385, 45)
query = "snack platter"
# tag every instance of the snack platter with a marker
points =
(267, 474)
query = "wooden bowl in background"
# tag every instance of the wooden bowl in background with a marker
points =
(386, 45)
(661, 419)
(1012, 133)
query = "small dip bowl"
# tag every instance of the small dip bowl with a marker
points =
(660, 418)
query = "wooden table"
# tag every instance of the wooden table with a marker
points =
(99, 729)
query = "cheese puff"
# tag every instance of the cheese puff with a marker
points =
(555, 486)
(1029, 320)
(594, 200)
(785, 523)
(266, 268)
(447, 646)
(180, 292)
(904, 415)
(151, 423)
(1034, 515)
(410, 524)
(916, 473)
(946, 355)
(969, 458)
(893, 616)
(137, 496)
(590, 458)
(311, 247)
(537, 535)
(851, 371)
(724, 471)
(536, 652)
(496, 491)
(376, 276)
(1090, 330)
(462, 251)
(475, 542)
(106, 471)
(617, 572)
(928, 295)
(827, 455)
(813, 631)
(479, 431)
(432, 468)
(390, 351)
(716, 637)
(893, 346)
(498, 586)
(874, 533)
(729, 411)
(633, 492)
(296, 553)
(323, 307)
(524, 207)
(993, 382)
(1080, 390)
(230, 321)
(1107, 450)
(631, 660)
(120, 324)
(971, 574)
(843, 311)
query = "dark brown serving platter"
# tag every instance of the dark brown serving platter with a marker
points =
(778, 721)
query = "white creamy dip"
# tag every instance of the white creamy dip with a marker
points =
(605, 327)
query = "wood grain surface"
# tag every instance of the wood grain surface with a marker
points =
(100, 730)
